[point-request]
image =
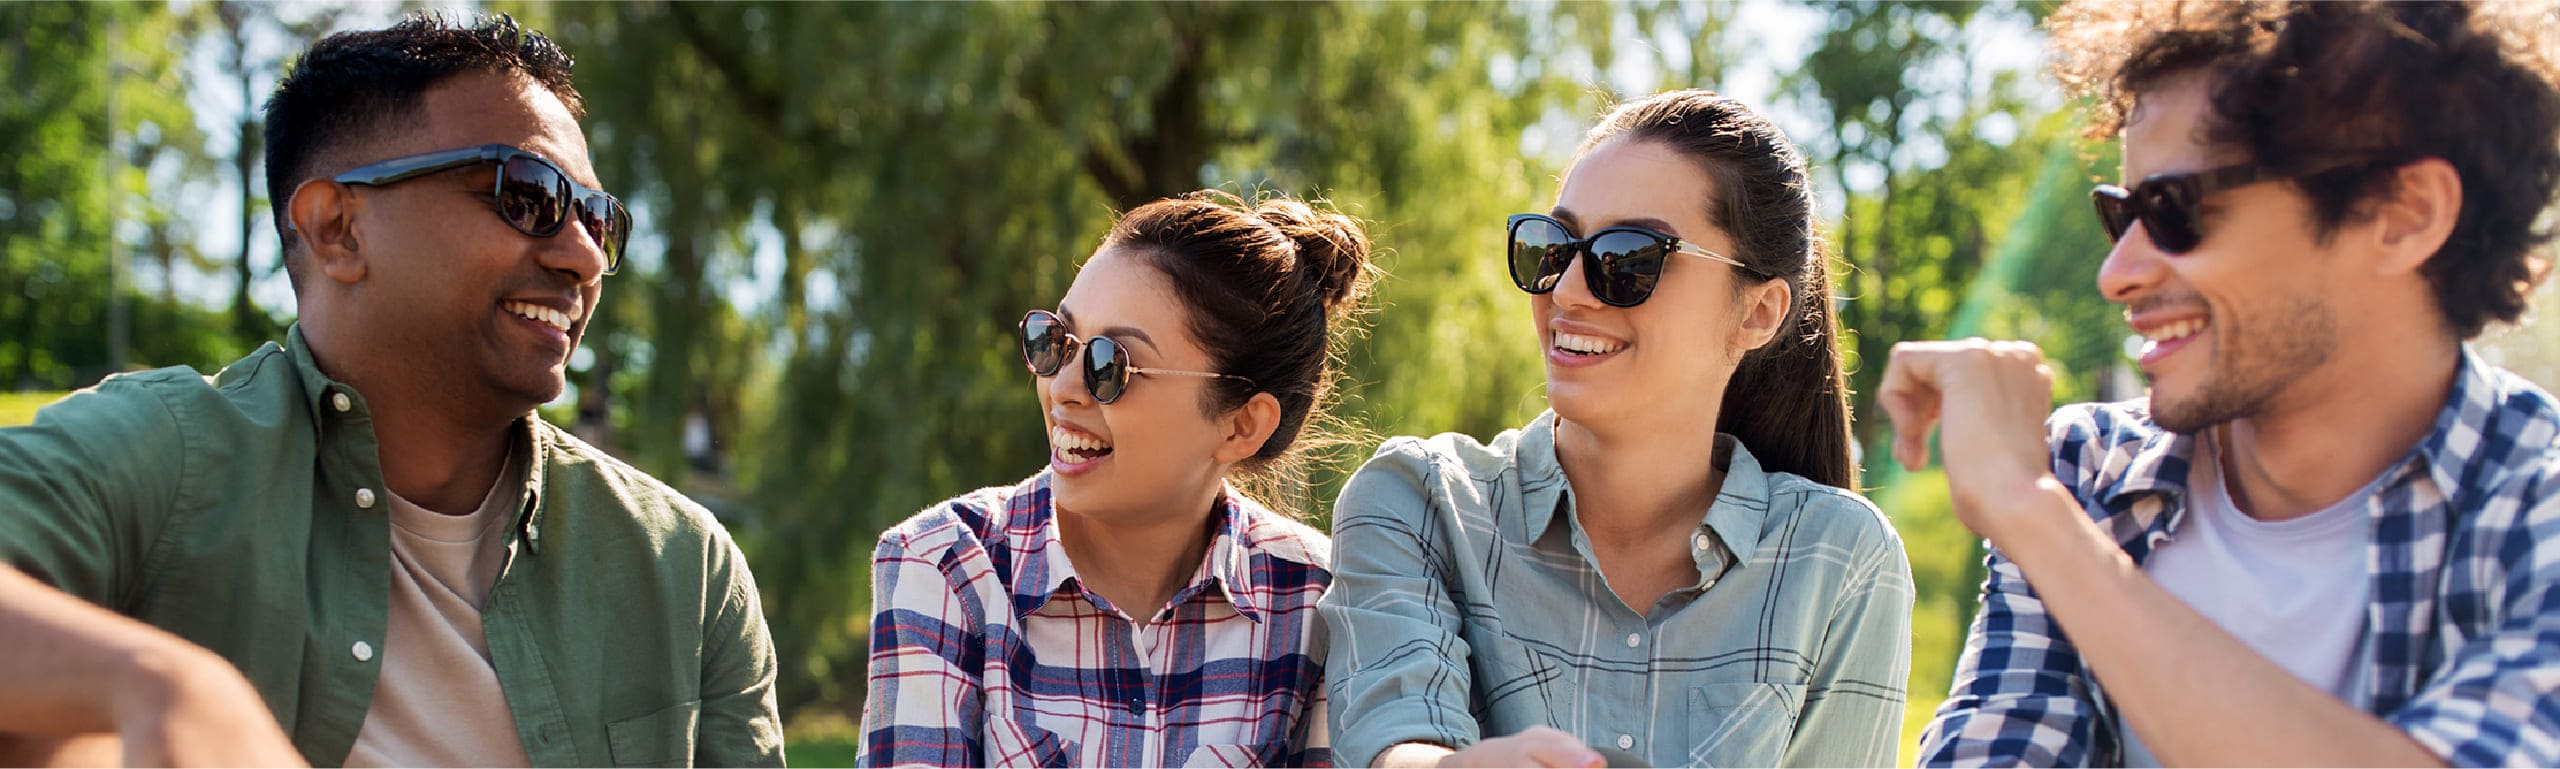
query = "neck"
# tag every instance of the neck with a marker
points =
(1138, 562)
(1632, 484)
(434, 453)
(2339, 431)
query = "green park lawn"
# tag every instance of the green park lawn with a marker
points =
(20, 408)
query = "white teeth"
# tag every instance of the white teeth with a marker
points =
(554, 318)
(1067, 440)
(1587, 345)
(2174, 331)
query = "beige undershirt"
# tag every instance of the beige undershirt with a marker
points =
(438, 701)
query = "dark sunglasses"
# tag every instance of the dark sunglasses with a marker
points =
(2167, 204)
(532, 194)
(1626, 262)
(1046, 346)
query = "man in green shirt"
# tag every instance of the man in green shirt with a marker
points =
(369, 522)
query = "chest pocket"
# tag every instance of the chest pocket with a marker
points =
(663, 738)
(1012, 742)
(1742, 724)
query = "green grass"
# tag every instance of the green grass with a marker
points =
(1945, 574)
(20, 408)
(821, 736)
(822, 752)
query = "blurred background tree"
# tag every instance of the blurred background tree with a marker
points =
(844, 208)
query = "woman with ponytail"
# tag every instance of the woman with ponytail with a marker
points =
(1128, 605)
(1672, 565)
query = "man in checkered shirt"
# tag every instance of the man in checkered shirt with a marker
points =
(2331, 534)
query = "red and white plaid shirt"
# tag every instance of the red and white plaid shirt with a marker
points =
(985, 651)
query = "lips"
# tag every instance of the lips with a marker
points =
(2164, 336)
(1580, 344)
(2173, 331)
(555, 318)
(1073, 451)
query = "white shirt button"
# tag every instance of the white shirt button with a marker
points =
(341, 402)
(363, 652)
(1634, 640)
(1703, 541)
(364, 498)
(1626, 742)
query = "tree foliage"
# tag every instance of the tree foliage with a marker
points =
(93, 111)
(892, 185)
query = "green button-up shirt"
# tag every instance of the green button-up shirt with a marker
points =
(1466, 605)
(246, 512)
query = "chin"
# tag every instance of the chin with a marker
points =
(2189, 412)
(1578, 401)
(532, 392)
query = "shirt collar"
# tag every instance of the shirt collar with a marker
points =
(1041, 566)
(2467, 429)
(318, 390)
(539, 441)
(1736, 517)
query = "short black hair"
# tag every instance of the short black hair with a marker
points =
(352, 84)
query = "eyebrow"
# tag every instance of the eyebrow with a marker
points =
(1561, 214)
(1117, 332)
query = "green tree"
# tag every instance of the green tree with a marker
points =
(95, 114)
(893, 184)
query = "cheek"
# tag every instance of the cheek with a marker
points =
(1164, 432)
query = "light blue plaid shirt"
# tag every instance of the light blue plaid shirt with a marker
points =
(2463, 634)
(1465, 606)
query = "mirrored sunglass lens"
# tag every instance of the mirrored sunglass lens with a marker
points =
(609, 224)
(1540, 251)
(1629, 264)
(1042, 343)
(532, 196)
(1106, 372)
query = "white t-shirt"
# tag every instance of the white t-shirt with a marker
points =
(437, 702)
(2296, 591)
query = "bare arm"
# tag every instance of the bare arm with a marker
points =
(79, 669)
(2196, 695)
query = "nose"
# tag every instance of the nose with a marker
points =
(1067, 386)
(1573, 288)
(2133, 266)
(575, 251)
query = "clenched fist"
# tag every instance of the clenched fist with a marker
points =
(1993, 398)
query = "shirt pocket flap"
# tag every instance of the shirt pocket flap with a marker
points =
(663, 738)
(1742, 724)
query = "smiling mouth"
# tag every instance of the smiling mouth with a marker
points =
(539, 314)
(1077, 448)
(2171, 332)
(1577, 344)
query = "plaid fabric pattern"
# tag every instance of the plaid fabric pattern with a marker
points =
(2463, 634)
(1467, 606)
(987, 651)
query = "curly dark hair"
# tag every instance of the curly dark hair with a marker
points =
(2340, 95)
(353, 84)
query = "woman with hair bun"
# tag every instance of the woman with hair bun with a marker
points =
(1130, 605)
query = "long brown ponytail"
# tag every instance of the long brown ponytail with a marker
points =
(1789, 399)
